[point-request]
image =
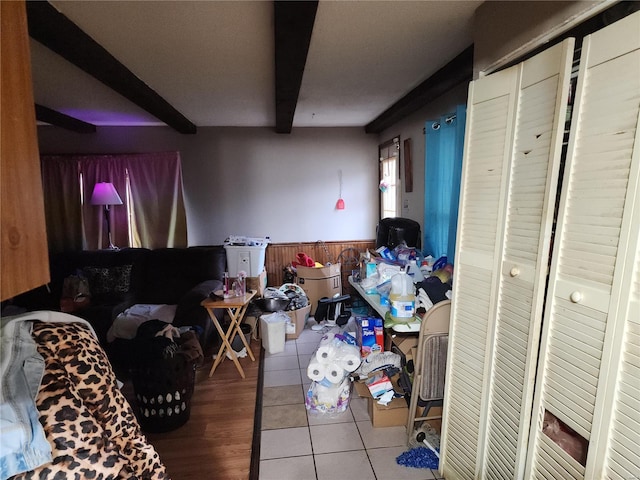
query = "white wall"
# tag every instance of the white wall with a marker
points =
(412, 127)
(252, 181)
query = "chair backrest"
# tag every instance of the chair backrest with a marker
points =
(432, 351)
(433, 365)
(437, 318)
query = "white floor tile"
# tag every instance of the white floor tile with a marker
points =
(382, 436)
(294, 468)
(307, 348)
(386, 467)
(303, 359)
(339, 437)
(280, 363)
(277, 378)
(344, 465)
(308, 335)
(359, 408)
(285, 442)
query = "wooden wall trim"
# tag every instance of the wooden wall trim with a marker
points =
(280, 255)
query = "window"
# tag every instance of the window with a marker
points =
(389, 178)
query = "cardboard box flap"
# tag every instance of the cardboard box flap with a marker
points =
(322, 272)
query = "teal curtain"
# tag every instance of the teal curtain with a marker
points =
(443, 166)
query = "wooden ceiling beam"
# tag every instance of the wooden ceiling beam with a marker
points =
(457, 71)
(59, 119)
(56, 32)
(293, 25)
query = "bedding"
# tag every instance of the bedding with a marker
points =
(89, 425)
(126, 324)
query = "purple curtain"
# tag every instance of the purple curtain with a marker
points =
(150, 185)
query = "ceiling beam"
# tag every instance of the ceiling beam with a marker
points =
(56, 32)
(457, 71)
(59, 119)
(293, 24)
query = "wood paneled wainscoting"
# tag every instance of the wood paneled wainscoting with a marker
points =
(280, 255)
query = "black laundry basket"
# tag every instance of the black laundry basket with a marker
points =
(163, 390)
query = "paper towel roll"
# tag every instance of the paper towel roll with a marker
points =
(326, 353)
(349, 362)
(316, 371)
(334, 373)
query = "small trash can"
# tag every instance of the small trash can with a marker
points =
(273, 331)
(236, 343)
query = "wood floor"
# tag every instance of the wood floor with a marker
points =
(216, 442)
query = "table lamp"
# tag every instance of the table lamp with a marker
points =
(104, 193)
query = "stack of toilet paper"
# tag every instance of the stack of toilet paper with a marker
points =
(335, 358)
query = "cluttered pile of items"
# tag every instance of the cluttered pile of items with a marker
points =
(407, 283)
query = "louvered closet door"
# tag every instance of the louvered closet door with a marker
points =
(497, 299)
(488, 140)
(588, 370)
(542, 109)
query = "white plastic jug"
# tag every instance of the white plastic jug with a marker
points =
(402, 298)
(414, 272)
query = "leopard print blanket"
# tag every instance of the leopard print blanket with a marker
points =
(90, 425)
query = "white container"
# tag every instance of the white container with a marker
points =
(273, 328)
(414, 272)
(402, 298)
(247, 259)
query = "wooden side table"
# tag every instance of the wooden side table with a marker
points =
(236, 307)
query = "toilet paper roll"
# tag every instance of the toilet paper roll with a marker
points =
(334, 373)
(316, 371)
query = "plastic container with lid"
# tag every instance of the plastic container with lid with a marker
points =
(402, 298)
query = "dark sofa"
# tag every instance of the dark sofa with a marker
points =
(119, 279)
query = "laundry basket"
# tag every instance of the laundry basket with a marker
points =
(163, 387)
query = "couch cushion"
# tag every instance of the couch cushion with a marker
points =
(108, 281)
(172, 272)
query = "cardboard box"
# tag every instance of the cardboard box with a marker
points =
(319, 282)
(298, 321)
(258, 283)
(395, 414)
(362, 390)
(404, 345)
(252, 321)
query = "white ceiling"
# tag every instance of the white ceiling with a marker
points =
(214, 60)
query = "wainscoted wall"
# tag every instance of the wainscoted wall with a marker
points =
(280, 255)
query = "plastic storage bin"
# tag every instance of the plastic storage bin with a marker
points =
(273, 332)
(243, 258)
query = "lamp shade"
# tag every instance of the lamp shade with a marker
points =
(104, 193)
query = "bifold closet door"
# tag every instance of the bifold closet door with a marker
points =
(510, 175)
(588, 377)
(487, 150)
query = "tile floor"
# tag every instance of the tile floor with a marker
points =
(300, 445)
